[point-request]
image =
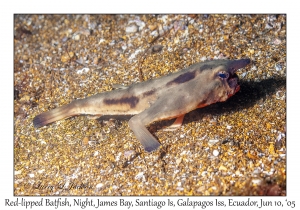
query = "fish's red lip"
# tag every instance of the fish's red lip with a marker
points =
(237, 88)
(233, 80)
(233, 83)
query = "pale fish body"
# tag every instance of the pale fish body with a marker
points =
(167, 97)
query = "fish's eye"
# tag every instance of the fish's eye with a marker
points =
(223, 75)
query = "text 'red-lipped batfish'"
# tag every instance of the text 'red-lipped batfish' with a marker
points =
(167, 97)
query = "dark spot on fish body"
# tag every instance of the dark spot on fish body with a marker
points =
(131, 101)
(206, 67)
(149, 93)
(183, 78)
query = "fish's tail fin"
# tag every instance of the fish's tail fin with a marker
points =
(59, 113)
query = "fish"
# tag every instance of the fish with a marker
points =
(167, 97)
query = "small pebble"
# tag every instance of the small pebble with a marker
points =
(179, 25)
(84, 31)
(128, 154)
(282, 155)
(154, 33)
(152, 27)
(18, 172)
(216, 153)
(131, 29)
(76, 37)
(280, 95)
(66, 57)
(65, 39)
(84, 70)
(96, 60)
(156, 48)
(85, 141)
(139, 175)
(25, 98)
(222, 168)
(256, 181)
(212, 142)
(178, 161)
(278, 67)
(277, 41)
(41, 171)
(100, 185)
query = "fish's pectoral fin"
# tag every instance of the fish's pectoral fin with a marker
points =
(176, 124)
(167, 107)
(143, 135)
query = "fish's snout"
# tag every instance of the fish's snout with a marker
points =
(238, 64)
(233, 80)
